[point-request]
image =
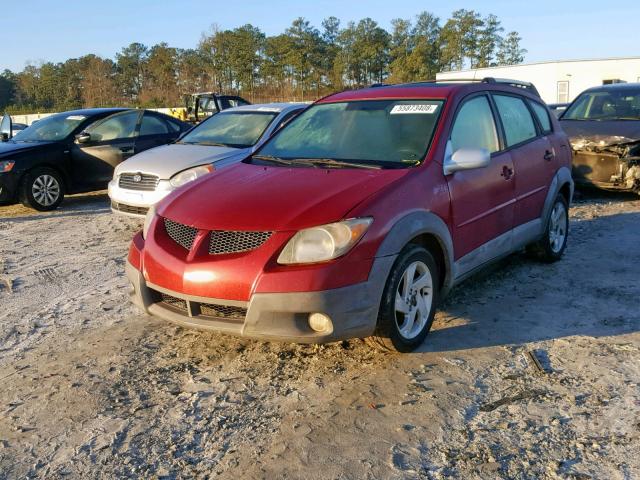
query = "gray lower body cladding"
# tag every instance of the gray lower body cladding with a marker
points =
(353, 310)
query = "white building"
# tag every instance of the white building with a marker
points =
(560, 81)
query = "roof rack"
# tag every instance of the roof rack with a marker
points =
(503, 81)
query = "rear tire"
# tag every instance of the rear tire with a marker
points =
(42, 189)
(409, 301)
(553, 243)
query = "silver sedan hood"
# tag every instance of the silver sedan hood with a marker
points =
(168, 160)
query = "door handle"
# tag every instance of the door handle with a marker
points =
(548, 155)
(507, 172)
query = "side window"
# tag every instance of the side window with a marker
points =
(474, 126)
(287, 118)
(516, 119)
(152, 125)
(173, 126)
(121, 125)
(543, 116)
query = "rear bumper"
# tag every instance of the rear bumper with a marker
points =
(135, 203)
(353, 310)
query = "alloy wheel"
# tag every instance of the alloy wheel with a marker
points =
(45, 190)
(558, 227)
(414, 300)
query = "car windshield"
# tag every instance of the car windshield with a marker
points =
(230, 129)
(371, 133)
(623, 104)
(50, 129)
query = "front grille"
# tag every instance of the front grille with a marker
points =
(174, 302)
(222, 311)
(181, 234)
(223, 241)
(121, 207)
(195, 309)
(138, 181)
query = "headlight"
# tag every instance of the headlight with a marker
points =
(6, 166)
(326, 242)
(190, 175)
(147, 221)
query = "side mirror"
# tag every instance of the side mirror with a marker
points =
(83, 137)
(6, 127)
(465, 159)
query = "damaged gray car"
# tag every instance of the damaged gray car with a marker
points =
(603, 124)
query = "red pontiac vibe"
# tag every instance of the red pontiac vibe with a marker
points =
(357, 217)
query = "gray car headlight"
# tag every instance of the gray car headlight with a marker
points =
(190, 175)
(325, 242)
(147, 221)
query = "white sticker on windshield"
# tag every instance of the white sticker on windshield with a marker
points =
(78, 118)
(414, 108)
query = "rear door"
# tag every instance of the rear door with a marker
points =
(155, 131)
(482, 200)
(112, 141)
(532, 154)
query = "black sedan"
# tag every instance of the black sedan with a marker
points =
(76, 152)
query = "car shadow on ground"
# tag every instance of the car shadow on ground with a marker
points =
(593, 291)
(75, 205)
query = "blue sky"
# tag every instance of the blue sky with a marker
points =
(54, 30)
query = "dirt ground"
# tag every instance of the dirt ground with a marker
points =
(531, 371)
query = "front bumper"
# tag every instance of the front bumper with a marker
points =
(9, 182)
(353, 310)
(135, 203)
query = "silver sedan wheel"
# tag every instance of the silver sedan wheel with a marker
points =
(45, 190)
(558, 224)
(414, 300)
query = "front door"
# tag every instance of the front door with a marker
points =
(112, 140)
(482, 200)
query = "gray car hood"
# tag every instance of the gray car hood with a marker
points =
(168, 160)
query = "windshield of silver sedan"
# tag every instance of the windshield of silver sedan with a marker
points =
(230, 129)
(50, 129)
(356, 134)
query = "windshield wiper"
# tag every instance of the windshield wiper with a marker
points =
(331, 162)
(271, 158)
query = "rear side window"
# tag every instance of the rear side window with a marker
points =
(517, 121)
(543, 116)
(474, 127)
(152, 125)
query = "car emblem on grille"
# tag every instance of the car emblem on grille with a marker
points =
(137, 178)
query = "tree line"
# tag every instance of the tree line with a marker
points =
(302, 63)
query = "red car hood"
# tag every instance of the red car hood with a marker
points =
(258, 198)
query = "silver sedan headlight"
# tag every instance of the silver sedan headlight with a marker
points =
(190, 175)
(325, 242)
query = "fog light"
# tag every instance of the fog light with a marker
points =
(319, 322)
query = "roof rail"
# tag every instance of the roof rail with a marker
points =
(513, 83)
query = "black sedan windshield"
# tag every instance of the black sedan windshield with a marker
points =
(50, 129)
(386, 133)
(623, 104)
(231, 129)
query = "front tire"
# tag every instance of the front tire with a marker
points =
(409, 301)
(553, 243)
(42, 189)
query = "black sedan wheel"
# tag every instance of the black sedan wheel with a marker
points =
(42, 189)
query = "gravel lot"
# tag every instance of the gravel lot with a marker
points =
(531, 371)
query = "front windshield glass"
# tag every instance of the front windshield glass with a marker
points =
(386, 133)
(623, 104)
(50, 129)
(231, 129)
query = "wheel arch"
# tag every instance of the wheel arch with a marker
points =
(428, 230)
(65, 180)
(562, 183)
